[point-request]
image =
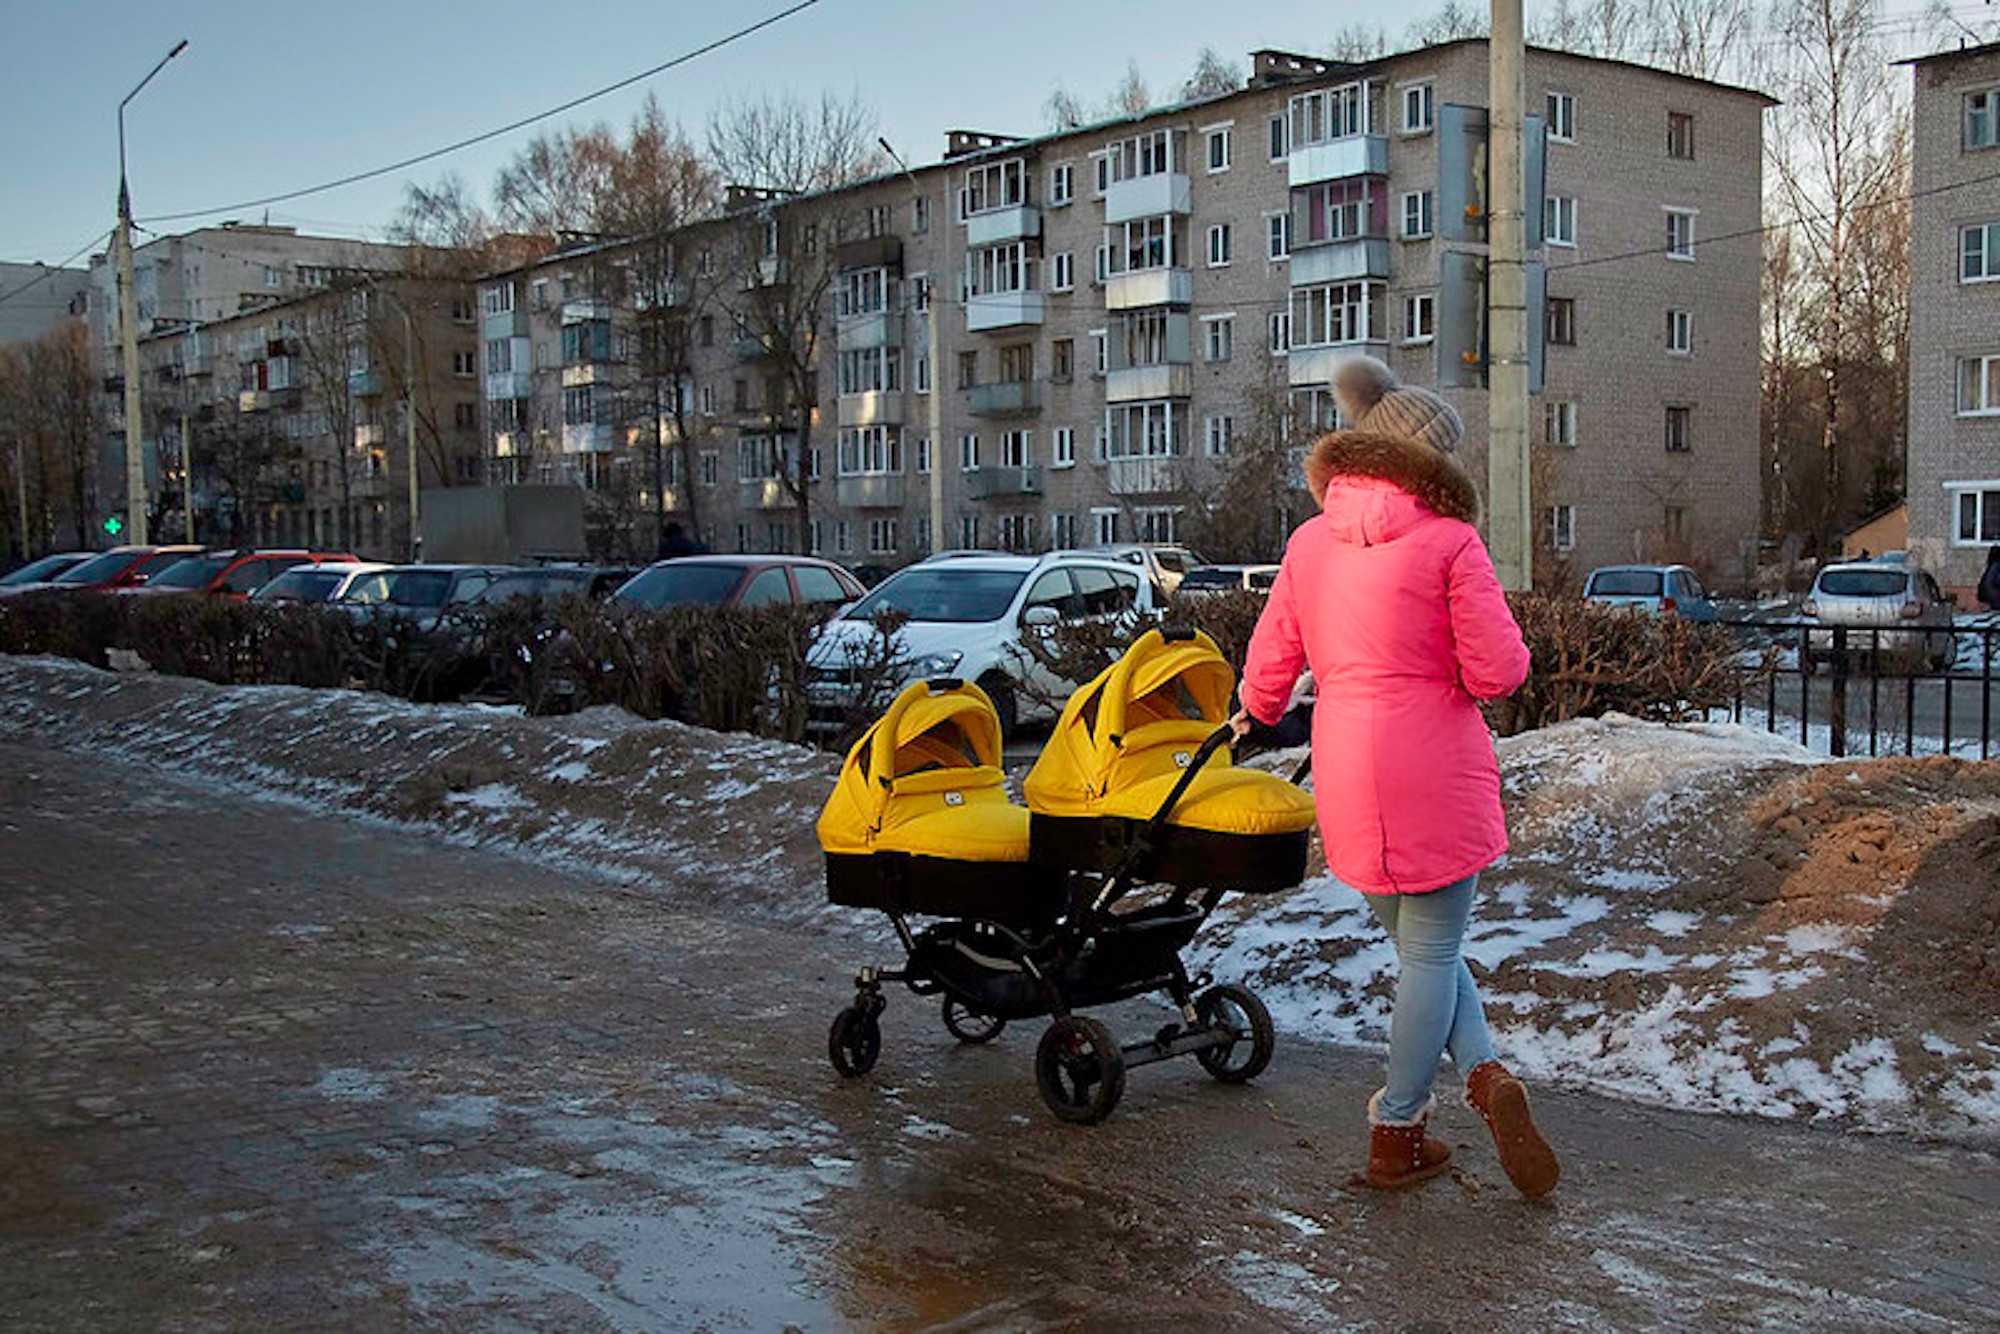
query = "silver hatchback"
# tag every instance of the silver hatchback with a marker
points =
(1886, 605)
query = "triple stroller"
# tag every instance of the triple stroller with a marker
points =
(1136, 790)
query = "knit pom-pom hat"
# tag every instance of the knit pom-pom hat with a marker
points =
(1373, 400)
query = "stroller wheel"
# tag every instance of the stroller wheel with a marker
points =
(1242, 1013)
(969, 1025)
(854, 1041)
(1081, 1070)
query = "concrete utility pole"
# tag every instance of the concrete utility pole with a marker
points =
(935, 407)
(410, 419)
(1509, 517)
(128, 325)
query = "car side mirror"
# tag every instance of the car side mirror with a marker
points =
(1040, 616)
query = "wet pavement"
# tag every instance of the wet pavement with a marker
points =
(270, 1067)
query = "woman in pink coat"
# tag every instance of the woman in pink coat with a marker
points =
(1389, 597)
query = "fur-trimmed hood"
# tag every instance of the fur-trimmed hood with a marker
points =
(1433, 478)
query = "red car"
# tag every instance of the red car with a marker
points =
(109, 571)
(231, 574)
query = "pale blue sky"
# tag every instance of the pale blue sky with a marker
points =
(269, 97)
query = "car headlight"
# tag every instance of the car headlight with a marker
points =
(933, 665)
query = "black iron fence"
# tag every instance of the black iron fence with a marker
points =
(1910, 688)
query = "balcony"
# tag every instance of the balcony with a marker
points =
(509, 385)
(1149, 287)
(588, 438)
(253, 400)
(1340, 261)
(771, 272)
(1002, 310)
(1132, 384)
(1151, 476)
(369, 435)
(663, 295)
(588, 373)
(752, 347)
(875, 491)
(505, 324)
(368, 383)
(1001, 225)
(1316, 365)
(1337, 159)
(768, 493)
(870, 252)
(875, 407)
(1147, 197)
(1014, 399)
(877, 328)
(586, 312)
(1003, 483)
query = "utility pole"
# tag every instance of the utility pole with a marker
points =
(21, 494)
(935, 407)
(1508, 504)
(128, 324)
(410, 420)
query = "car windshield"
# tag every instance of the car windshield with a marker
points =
(40, 571)
(98, 568)
(943, 594)
(306, 585)
(194, 572)
(545, 584)
(1625, 584)
(1862, 583)
(680, 582)
(419, 588)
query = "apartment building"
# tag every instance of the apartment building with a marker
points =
(298, 414)
(1128, 309)
(42, 299)
(1953, 482)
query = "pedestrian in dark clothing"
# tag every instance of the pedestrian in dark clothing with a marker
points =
(677, 543)
(1989, 583)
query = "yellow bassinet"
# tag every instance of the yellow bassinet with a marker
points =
(919, 821)
(1122, 743)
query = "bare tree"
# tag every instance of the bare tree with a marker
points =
(1358, 43)
(1130, 97)
(48, 417)
(1241, 507)
(1213, 76)
(328, 333)
(1705, 39)
(557, 183)
(1452, 23)
(1064, 110)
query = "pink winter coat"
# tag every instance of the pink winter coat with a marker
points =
(1390, 598)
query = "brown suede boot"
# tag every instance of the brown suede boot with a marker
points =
(1402, 1153)
(1524, 1155)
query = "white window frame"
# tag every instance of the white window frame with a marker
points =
(968, 452)
(1064, 448)
(1562, 529)
(1062, 184)
(968, 531)
(1100, 352)
(1063, 531)
(1147, 429)
(1278, 132)
(1559, 110)
(1425, 93)
(1559, 423)
(1017, 448)
(1425, 220)
(1062, 271)
(1278, 330)
(923, 455)
(1218, 331)
(1415, 334)
(1674, 211)
(1218, 435)
(1211, 135)
(1278, 238)
(1985, 496)
(1680, 333)
(1559, 221)
(1219, 242)
(1103, 525)
(843, 538)
(1985, 369)
(920, 214)
(1157, 523)
(1990, 271)
(883, 536)
(992, 187)
(1982, 110)
(1686, 436)
(870, 451)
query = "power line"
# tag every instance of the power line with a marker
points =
(56, 268)
(481, 138)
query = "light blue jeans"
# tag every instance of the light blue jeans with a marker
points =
(1437, 1002)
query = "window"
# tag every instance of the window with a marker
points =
(1680, 331)
(1339, 211)
(968, 369)
(1062, 360)
(1680, 423)
(1979, 386)
(1017, 449)
(466, 416)
(1417, 108)
(1562, 117)
(1153, 153)
(1328, 114)
(968, 452)
(1278, 235)
(1559, 220)
(1218, 245)
(1153, 429)
(1416, 215)
(1979, 253)
(1559, 423)
(1217, 434)
(1329, 314)
(920, 214)
(1100, 164)
(742, 537)
(843, 538)
(924, 454)
(920, 292)
(1017, 532)
(742, 396)
(968, 531)
(1062, 272)
(999, 268)
(1216, 142)
(1062, 184)
(1064, 448)
(1977, 509)
(707, 400)
(497, 300)
(1562, 321)
(1017, 363)
(881, 540)
(1100, 351)
(1419, 318)
(1065, 531)
(922, 375)
(1103, 526)
(1278, 146)
(1144, 243)
(1562, 528)
(1680, 135)
(705, 331)
(1157, 523)
(996, 185)
(1680, 233)
(1218, 336)
(1142, 337)
(864, 292)
(1281, 332)
(1982, 119)
(870, 451)
(869, 370)
(711, 467)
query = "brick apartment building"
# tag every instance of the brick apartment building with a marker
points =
(1954, 451)
(1134, 305)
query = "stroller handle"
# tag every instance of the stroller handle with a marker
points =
(1216, 741)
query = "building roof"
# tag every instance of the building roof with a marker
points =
(1963, 52)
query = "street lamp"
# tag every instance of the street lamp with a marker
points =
(409, 416)
(128, 320)
(935, 422)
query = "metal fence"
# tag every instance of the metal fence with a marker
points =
(1907, 689)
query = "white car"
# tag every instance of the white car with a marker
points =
(1165, 562)
(964, 619)
(324, 582)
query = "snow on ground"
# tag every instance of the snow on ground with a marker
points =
(1705, 916)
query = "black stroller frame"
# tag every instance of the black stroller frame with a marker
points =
(1082, 954)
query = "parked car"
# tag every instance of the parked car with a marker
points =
(43, 570)
(324, 582)
(1167, 562)
(120, 567)
(739, 581)
(596, 582)
(420, 594)
(1664, 590)
(1227, 578)
(1892, 606)
(233, 575)
(965, 618)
